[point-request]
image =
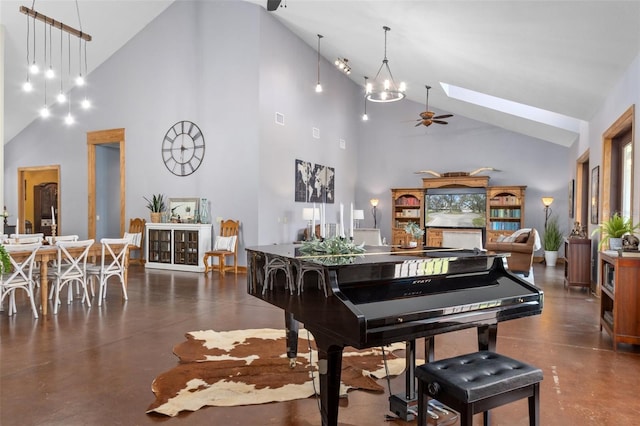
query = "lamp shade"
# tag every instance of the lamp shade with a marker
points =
(309, 213)
(547, 201)
(358, 214)
(374, 202)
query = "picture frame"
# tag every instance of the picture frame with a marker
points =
(595, 194)
(572, 183)
(183, 210)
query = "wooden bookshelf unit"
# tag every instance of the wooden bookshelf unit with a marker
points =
(620, 298)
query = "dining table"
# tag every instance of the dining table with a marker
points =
(47, 253)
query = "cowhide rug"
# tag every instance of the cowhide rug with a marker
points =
(243, 367)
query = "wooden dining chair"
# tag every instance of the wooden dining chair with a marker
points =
(136, 240)
(226, 245)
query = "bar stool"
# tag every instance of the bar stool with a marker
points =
(478, 382)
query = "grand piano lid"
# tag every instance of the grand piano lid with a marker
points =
(423, 259)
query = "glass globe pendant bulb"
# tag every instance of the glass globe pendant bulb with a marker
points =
(69, 119)
(34, 69)
(27, 86)
(50, 73)
(318, 88)
(86, 103)
(44, 112)
(80, 80)
(62, 98)
(365, 117)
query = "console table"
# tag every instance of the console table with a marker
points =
(177, 246)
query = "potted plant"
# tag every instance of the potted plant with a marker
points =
(552, 240)
(613, 230)
(156, 206)
(415, 232)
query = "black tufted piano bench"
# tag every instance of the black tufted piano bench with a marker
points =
(476, 383)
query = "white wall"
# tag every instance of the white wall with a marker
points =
(229, 66)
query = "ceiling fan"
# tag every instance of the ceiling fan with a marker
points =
(428, 117)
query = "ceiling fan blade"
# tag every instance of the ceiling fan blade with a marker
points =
(444, 116)
(273, 5)
(439, 121)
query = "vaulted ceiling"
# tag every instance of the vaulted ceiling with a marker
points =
(559, 56)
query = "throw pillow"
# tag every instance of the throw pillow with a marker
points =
(522, 238)
(225, 243)
(134, 238)
(500, 238)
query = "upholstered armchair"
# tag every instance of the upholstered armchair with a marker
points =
(521, 244)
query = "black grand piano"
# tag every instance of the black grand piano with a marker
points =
(383, 296)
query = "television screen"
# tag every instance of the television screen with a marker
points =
(456, 207)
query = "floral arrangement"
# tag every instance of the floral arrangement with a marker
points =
(414, 230)
(5, 260)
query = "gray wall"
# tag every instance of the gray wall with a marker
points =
(229, 67)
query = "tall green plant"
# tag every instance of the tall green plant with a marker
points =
(553, 237)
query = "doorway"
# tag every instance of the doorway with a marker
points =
(106, 182)
(30, 178)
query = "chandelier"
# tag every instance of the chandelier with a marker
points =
(384, 88)
(49, 73)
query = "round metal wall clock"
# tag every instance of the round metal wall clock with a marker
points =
(183, 148)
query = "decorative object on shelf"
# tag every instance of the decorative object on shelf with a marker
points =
(374, 207)
(331, 251)
(319, 86)
(630, 243)
(546, 201)
(427, 118)
(416, 233)
(551, 240)
(184, 210)
(204, 216)
(456, 174)
(384, 89)
(343, 65)
(33, 68)
(578, 231)
(183, 148)
(358, 215)
(156, 206)
(595, 194)
(5, 215)
(611, 231)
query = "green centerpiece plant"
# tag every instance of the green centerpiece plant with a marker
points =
(331, 251)
(613, 230)
(5, 260)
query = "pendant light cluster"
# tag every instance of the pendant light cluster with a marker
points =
(47, 69)
(382, 89)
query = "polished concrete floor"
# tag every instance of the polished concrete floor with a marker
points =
(94, 366)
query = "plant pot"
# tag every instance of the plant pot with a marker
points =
(615, 243)
(550, 257)
(156, 217)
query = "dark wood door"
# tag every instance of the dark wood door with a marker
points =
(45, 198)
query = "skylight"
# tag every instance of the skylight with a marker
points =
(514, 108)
